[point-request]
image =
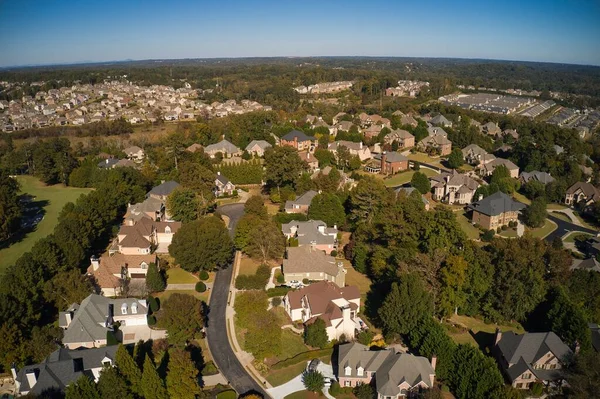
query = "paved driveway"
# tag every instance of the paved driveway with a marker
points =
(564, 227)
(296, 383)
(216, 331)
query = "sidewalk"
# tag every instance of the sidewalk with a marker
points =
(271, 284)
(186, 287)
(244, 357)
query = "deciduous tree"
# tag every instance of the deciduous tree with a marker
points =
(182, 316)
(328, 208)
(315, 334)
(421, 182)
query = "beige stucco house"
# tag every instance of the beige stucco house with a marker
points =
(307, 262)
(495, 211)
(453, 188)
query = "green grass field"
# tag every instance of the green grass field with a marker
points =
(179, 276)
(55, 198)
(404, 177)
(465, 224)
(541, 232)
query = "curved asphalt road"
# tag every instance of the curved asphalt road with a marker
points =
(565, 227)
(216, 331)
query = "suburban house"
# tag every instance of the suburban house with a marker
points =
(325, 300)
(312, 232)
(436, 131)
(358, 149)
(87, 325)
(595, 330)
(163, 190)
(345, 180)
(440, 120)
(588, 264)
(111, 270)
(408, 120)
(542, 177)
(372, 131)
(62, 368)
(402, 137)
(492, 129)
(487, 168)
(475, 155)
(108, 163)
(257, 147)
(223, 147)
(407, 191)
(582, 192)
(511, 132)
(307, 262)
(134, 153)
(300, 204)
(299, 140)
(530, 357)
(592, 246)
(388, 163)
(495, 211)
(453, 188)
(437, 143)
(151, 208)
(311, 161)
(396, 374)
(223, 186)
(158, 234)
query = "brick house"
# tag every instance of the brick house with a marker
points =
(486, 169)
(495, 211)
(299, 140)
(438, 143)
(396, 375)
(531, 357)
(388, 163)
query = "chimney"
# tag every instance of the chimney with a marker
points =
(383, 162)
(68, 318)
(95, 262)
(218, 173)
(14, 371)
(321, 229)
(498, 336)
(360, 145)
(433, 361)
(31, 377)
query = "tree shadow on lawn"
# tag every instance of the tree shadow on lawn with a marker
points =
(375, 298)
(485, 340)
(33, 214)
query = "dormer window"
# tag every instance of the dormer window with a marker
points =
(348, 370)
(134, 308)
(168, 230)
(360, 371)
(124, 308)
(144, 265)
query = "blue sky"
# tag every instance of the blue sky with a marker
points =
(55, 31)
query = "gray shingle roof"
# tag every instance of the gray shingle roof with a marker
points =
(64, 367)
(304, 199)
(301, 136)
(308, 232)
(531, 346)
(165, 188)
(542, 177)
(496, 204)
(223, 146)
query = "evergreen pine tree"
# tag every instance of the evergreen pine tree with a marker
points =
(155, 281)
(113, 385)
(182, 375)
(151, 383)
(83, 388)
(128, 368)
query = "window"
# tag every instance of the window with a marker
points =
(360, 371)
(144, 265)
(347, 384)
(124, 308)
(134, 308)
(168, 230)
(526, 376)
(348, 370)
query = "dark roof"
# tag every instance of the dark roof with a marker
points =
(595, 336)
(107, 163)
(531, 346)
(222, 178)
(496, 204)
(301, 136)
(165, 188)
(64, 367)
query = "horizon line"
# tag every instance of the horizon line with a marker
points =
(90, 62)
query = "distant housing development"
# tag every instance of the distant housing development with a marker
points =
(406, 88)
(487, 102)
(325, 87)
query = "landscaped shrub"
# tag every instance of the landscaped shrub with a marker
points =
(280, 279)
(276, 301)
(505, 227)
(227, 395)
(209, 369)
(203, 275)
(151, 320)
(153, 304)
(200, 286)
(277, 291)
(335, 388)
(365, 337)
(499, 230)
(537, 389)
(334, 253)
(305, 281)
(488, 235)
(256, 281)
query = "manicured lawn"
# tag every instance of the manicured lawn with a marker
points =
(291, 345)
(556, 207)
(572, 236)
(548, 227)
(561, 216)
(404, 177)
(248, 265)
(305, 395)
(356, 278)
(509, 233)
(465, 224)
(521, 198)
(424, 158)
(52, 199)
(177, 275)
(475, 331)
(166, 294)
